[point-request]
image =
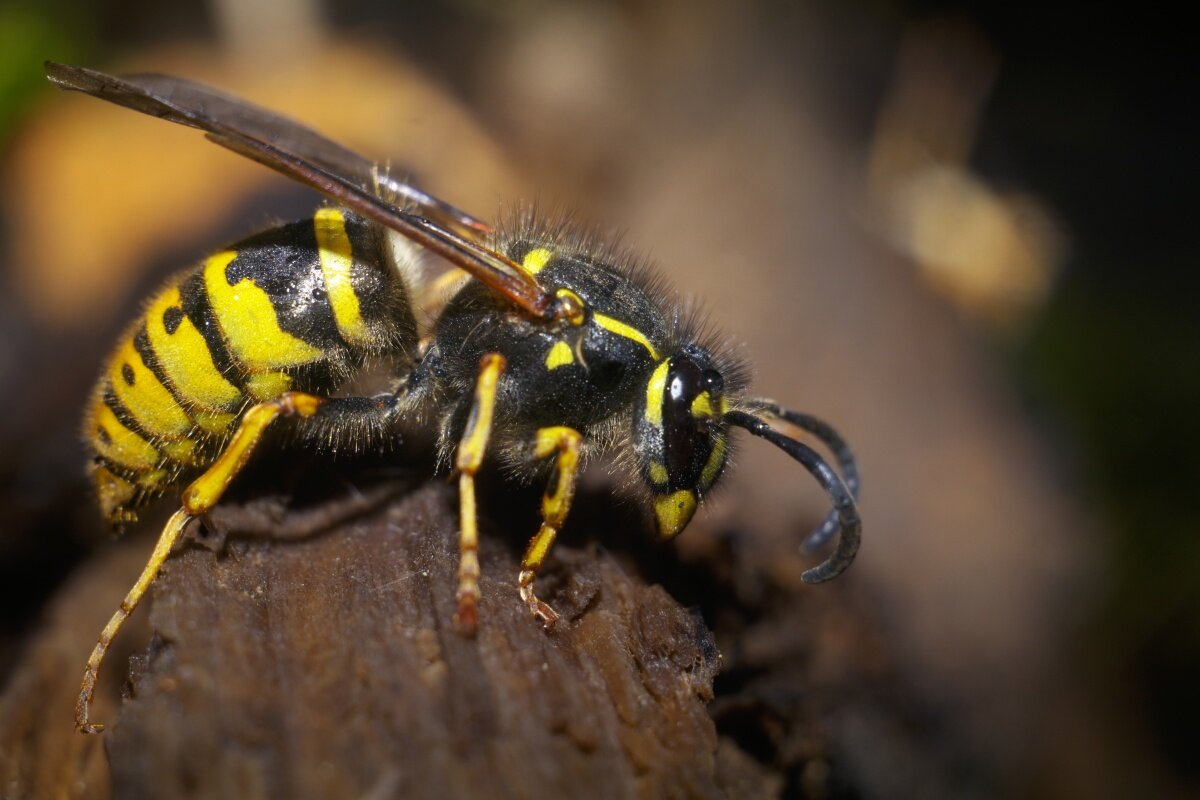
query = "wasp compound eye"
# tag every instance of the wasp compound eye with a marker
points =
(686, 452)
(688, 419)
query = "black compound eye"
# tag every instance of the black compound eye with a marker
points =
(687, 438)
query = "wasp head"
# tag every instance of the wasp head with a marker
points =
(680, 435)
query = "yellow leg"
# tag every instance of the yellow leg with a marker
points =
(198, 499)
(206, 490)
(166, 541)
(470, 454)
(556, 504)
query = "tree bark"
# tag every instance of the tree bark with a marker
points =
(321, 662)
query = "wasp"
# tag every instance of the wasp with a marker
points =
(555, 350)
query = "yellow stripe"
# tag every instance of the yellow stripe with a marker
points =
(713, 466)
(621, 329)
(214, 423)
(248, 321)
(536, 260)
(184, 357)
(147, 400)
(153, 480)
(337, 264)
(560, 355)
(181, 451)
(658, 473)
(655, 389)
(702, 406)
(267, 385)
(119, 444)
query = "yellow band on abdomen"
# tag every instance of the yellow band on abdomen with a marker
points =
(337, 263)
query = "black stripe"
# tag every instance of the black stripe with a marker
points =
(127, 419)
(285, 264)
(120, 470)
(194, 298)
(142, 493)
(141, 344)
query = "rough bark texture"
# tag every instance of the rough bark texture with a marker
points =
(321, 662)
(328, 668)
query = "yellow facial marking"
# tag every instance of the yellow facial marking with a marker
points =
(560, 355)
(119, 444)
(248, 322)
(655, 389)
(621, 329)
(336, 264)
(184, 356)
(716, 460)
(674, 511)
(147, 400)
(702, 405)
(658, 473)
(536, 260)
(268, 385)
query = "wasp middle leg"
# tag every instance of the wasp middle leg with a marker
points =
(471, 449)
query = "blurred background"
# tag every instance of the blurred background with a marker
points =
(953, 230)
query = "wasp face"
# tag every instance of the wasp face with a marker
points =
(680, 436)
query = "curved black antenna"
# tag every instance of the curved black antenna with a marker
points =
(841, 451)
(844, 506)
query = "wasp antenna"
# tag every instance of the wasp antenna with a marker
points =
(841, 451)
(845, 509)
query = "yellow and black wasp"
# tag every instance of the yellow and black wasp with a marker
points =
(556, 351)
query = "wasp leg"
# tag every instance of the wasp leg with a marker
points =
(203, 493)
(166, 541)
(556, 503)
(471, 449)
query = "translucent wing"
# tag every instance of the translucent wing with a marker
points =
(305, 155)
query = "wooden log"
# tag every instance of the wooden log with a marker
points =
(327, 666)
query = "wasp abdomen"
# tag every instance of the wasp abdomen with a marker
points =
(296, 307)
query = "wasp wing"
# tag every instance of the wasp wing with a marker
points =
(305, 155)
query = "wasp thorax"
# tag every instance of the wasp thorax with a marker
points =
(681, 436)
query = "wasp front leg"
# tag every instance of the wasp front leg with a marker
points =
(471, 449)
(556, 504)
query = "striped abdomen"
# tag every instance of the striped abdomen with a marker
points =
(294, 308)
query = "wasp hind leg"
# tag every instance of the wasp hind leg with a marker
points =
(556, 504)
(471, 449)
(166, 541)
(204, 493)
